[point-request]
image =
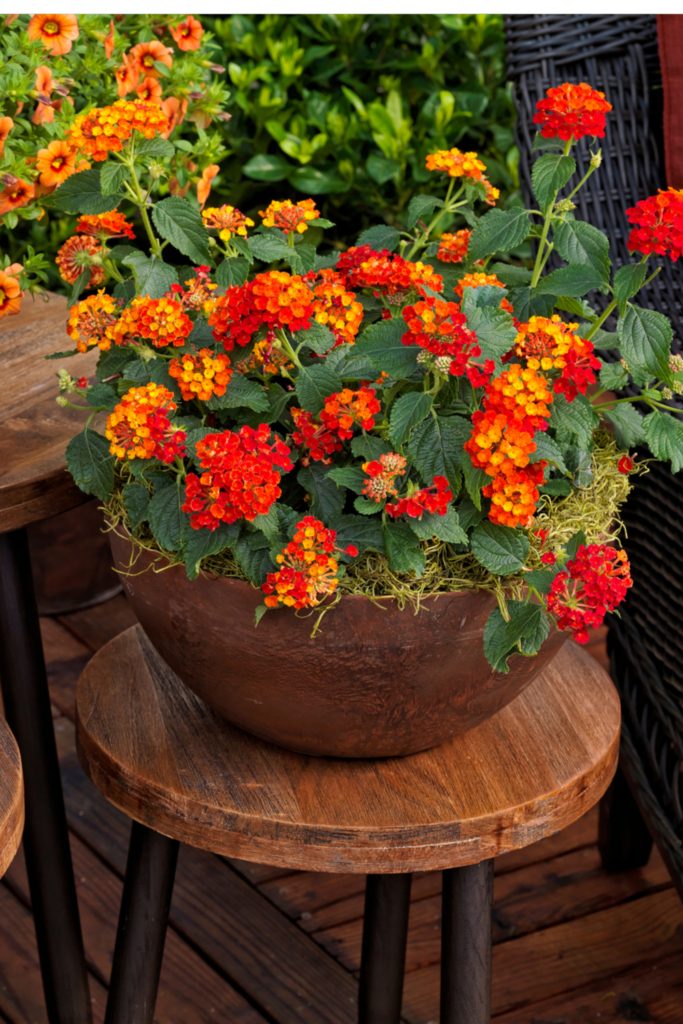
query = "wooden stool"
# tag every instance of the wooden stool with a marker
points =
(34, 484)
(11, 797)
(159, 754)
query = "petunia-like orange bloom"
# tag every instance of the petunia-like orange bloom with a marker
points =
(289, 216)
(45, 111)
(453, 247)
(227, 220)
(105, 129)
(75, 256)
(188, 34)
(308, 568)
(127, 76)
(140, 428)
(149, 90)
(109, 41)
(145, 55)
(456, 164)
(6, 126)
(10, 292)
(16, 194)
(201, 376)
(175, 111)
(91, 320)
(204, 186)
(56, 31)
(56, 163)
(572, 111)
(105, 225)
(161, 321)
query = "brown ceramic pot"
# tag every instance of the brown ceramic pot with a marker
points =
(374, 682)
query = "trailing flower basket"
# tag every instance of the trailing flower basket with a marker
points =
(361, 492)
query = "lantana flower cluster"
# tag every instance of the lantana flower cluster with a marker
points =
(308, 570)
(441, 329)
(140, 426)
(659, 224)
(594, 582)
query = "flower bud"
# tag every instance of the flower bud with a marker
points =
(596, 158)
(156, 170)
(565, 206)
(62, 400)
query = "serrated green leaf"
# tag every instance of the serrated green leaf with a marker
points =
(112, 177)
(82, 193)
(65, 354)
(503, 638)
(368, 447)
(500, 549)
(277, 402)
(664, 434)
(365, 533)
(494, 329)
(136, 500)
(181, 224)
(268, 522)
(403, 549)
(578, 242)
(255, 563)
(102, 396)
(242, 246)
(468, 514)
(113, 361)
(352, 477)
(232, 272)
(574, 281)
(436, 448)
(475, 479)
(574, 419)
(530, 645)
(301, 258)
(204, 542)
(241, 392)
(327, 499)
(314, 384)
(548, 449)
(549, 174)
(380, 237)
(155, 147)
(167, 521)
(268, 248)
(556, 488)
(419, 206)
(644, 338)
(512, 275)
(627, 282)
(406, 412)
(540, 579)
(90, 464)
(628, 425)
(540, 143)
(152, 277)
(382, 343)
(527, 304)
(577, 307)
(317, 337)
(498, 230)
(446, 527)
(367, 506)
(613, 376)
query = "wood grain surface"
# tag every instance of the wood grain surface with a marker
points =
(11, 797)
(159, 754)
(34, 430)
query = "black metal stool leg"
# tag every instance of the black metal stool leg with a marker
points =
(623, 837)
(145, 906)
(466, 944)
(383, 957)
(46, 841)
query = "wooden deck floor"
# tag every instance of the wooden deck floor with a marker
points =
(249, 944)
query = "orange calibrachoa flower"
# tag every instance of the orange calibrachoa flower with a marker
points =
(15, 194)
(140, 428)
(145, 54)
(572, 111)
(549, 344)
(188, 34)
(289, 216)
(104, 130)
(240, 478)
(75, 256)
(347, 409)
(105, 225)
(161, 321)
(309, 569)
(274, 298)
(10, 292)
(362, 267)
(204, 184)
(91, 320)
(456, 164)
(478, 281)
(127, 76)
(318, 442)
(335, 307)
(227, 220)
(45, 111)
(56, 163)
(108, 41)
(57, 32)
(453, 248)
(659, 224)
(381, 476)
(201, 376)
(175, 111)
(6, 126)
(149, 90)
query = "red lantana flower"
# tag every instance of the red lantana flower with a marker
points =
(274, 298)
(659, 224)
(572, 111)
(427, 499)
(594, 583)
(318, 442)
(347, 409)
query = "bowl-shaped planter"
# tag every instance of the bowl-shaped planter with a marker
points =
(375, 681)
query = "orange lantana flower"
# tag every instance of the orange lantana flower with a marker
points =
(56, 163)
(145, 54)
(10, 292)
(227, 220)
(149, 90)
(456, 164)
(6, 126)
(188, 34)
(75, 256)
(109, 41)
(57, 31)
(105, 129)
(161, 321)
(204, 186)
(201, 376)
(289, 216)
(453, 247)
(105, 225)
(90, 321)
(16, 194)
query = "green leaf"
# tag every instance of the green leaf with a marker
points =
(167, 521)
(327, 499)
(112, 177)
(574, 543)
(382, 344)
(613, 376)
(152, 276)
(475, 479)
(232, 272)
(664, 434)
(301, 258)
(578, 242)
(79, 284)
(317, 337)
(502, 639)
(241, 392)
(548, 449)
(551, 173)
(368, 447)
(155, 147)
(268, 522)
(381, 168)
(82, 193)
(204, 542)
(181, 224)
(363, 532)
(540, 579)
(406, 412)
(645, 338)
(628, 424)
(540, 143)
(367, 506)
(63, 355)
(113, 361)
(403, 549)
(268, 248)
(101, 395)
(494, 329)
(352, 477)
(446, 527)
(314, 384)
(136, 500)
(468, 514)
(242, 246)
(577, 307)
(201, 334)
(267, 167)
(500, 549)
(556, 488)
(419, 206)
(256, 563)
(383, 236)
(498, 230)
(527, 304)
(436, 448)
(316, 182)
(576, 419)
(627, 282)
(511, 275)
(90, 464)
(530, 645)
(573, 281)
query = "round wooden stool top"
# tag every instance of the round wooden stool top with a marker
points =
(34, 430)
(11, 797)
(158, 753)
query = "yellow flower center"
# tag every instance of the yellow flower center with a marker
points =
(51, 28)
(58, 163)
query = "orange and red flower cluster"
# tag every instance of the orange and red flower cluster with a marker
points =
(227, 221)
(478, 280)
(318, 442)
(659, 224)
(381, 474)
(91, 321)
(347, 409)
(362, 267)
(275, 298)
(594, 583)
(105, 129)
(240, 478)
(201, 376)
(105, 225)
(160, 321)
(548, 343)
(289, 216)
(572, 111)
(456, 164)
(453, 247)
(75, 256)
(440, 328)
(432, 499)
(309, 569)
(198, 294)
(336, 307)
(140, 428)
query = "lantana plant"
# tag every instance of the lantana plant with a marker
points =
(420, 413)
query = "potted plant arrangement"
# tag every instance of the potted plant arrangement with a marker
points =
(360, 499)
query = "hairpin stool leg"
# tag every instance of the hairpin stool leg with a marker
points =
(466, 944)
(383, 958)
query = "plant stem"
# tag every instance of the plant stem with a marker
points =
(541, 254)
(139, 201)
(420, 243)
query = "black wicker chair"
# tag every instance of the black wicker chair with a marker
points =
(619, 56)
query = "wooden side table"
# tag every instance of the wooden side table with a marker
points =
(159, 754)
(11, 797)
(34, 484)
